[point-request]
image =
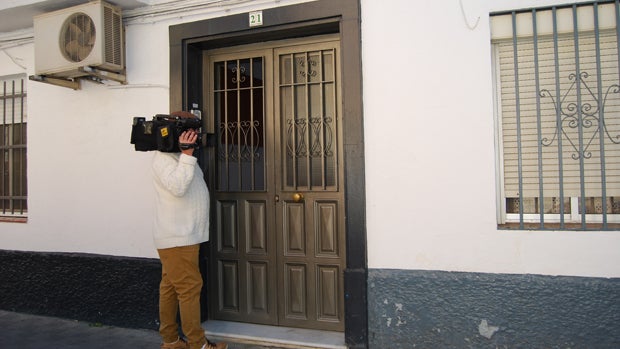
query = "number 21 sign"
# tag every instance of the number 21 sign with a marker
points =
(256, 18)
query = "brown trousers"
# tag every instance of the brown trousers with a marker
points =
(181, 283)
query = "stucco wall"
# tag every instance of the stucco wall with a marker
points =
(120, 291)
(88, 190)
(429, 140)
(430, 158)
(430, 309)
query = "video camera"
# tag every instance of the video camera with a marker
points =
(162, 133)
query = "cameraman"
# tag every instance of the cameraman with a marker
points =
(181, 225)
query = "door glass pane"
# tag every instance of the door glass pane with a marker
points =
(245, 80)
(219, 74)
(308, 108)
(238, 107)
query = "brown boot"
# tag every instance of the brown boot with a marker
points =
(179, 344)
(211, 345)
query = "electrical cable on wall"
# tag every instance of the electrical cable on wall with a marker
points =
(15, 60)
(465, 17)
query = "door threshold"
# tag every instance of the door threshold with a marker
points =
(273, 336)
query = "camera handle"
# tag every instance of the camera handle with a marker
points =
(185, 146)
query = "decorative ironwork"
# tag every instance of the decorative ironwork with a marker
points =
(241, 74)
(586, 115)
(312, 63)
(297, 131)
(239, 140)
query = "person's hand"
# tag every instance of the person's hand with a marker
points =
(188, 137)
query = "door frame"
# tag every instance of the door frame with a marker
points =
(189, 40)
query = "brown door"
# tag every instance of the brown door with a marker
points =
(278, 250)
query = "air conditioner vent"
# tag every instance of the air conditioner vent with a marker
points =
(77, 37)
(113, 40)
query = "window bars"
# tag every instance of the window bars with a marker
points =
(238, 90)
(13, 185)
(558, 72)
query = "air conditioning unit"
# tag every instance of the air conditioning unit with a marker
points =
(69, 43)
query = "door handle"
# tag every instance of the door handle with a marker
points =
(298, 197)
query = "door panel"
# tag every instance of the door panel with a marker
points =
(245, 278)
(279, 253)
(243, 258)
(312, 258)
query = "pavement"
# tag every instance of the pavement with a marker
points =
(26, 331)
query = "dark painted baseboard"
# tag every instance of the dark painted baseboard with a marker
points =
(406, 308)
(356, 315)
(119, 291)
(433, 309)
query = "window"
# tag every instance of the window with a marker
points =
(13, 184)
(557, 78)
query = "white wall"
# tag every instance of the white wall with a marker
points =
(429, 137)
(430, 158)
(88, 190)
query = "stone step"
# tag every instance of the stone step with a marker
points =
(253, 336)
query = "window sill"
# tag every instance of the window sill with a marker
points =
(13, 219)
(556, 226)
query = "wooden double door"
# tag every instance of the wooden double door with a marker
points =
(278, 249)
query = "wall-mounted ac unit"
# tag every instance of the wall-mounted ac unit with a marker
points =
(85, 36)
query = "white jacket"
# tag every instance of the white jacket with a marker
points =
(182, 201)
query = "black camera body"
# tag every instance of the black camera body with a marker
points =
(162, 133)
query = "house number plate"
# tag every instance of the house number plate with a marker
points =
(256, 18)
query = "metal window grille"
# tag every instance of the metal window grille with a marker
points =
(558, 101)
(238, 104)
(13, 184)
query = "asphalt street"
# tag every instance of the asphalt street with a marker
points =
(25, 331)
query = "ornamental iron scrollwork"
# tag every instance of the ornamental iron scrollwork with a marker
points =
(299, 129)
(239, 140)
(241, 74)
(587, 115)
(311, 69)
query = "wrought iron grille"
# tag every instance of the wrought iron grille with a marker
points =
(558, 76)
(580, 117)
(13, 184)
(238, 105)
(308, 112)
